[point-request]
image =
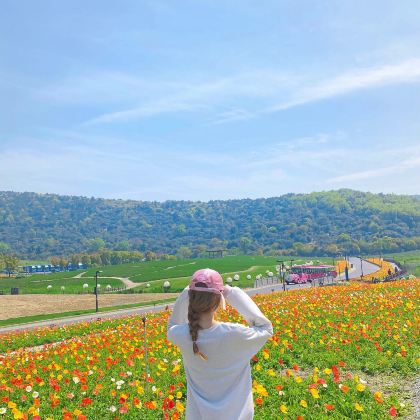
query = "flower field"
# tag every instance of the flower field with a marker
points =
(330, 346)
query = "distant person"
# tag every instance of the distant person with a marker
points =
(216, 355)
(389, 272)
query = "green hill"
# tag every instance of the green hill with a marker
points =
(40, 225)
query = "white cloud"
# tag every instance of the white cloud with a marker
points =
(354, 80)
(399, 167)
(255, 91)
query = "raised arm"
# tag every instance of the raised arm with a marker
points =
(260, 328)
(180, 310)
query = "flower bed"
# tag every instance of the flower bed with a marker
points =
(328, 345)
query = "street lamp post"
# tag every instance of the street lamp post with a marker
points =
(361, 266)
(96, 289)
(282, 273)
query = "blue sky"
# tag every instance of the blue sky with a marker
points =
(201, 100)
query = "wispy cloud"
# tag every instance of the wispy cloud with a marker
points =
(399, 167)
(354, 80)
(261, 90)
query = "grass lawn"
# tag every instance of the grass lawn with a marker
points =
(156, 270)
(410, 259)
(39, 283)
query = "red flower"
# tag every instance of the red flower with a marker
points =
(393, 411)
(86, 401)
(258, 401)
(329, 407)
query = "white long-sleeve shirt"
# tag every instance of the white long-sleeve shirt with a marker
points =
(221, 387)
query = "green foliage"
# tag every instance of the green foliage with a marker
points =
(42, 225)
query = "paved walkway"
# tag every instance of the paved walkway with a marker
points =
(359, 266)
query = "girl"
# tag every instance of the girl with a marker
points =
(216, 355)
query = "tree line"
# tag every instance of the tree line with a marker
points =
(325, 223)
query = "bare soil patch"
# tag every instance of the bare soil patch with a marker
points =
(38, 304)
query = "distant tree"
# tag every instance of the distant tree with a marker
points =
(55, 261)
(95, 244)
(184, 253)
(86, 260)
(4, 248)
(122, 246)
(150, 256)
(116, 258)
(11, 263)
(245, 244)
(74, 260)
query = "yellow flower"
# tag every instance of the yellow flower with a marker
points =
(298, 379)
(303, 403)
(283, 409)
(179, 394)
(17, 414)
(358, 407)
(271, 372)
(327, 371)
(179, 406)
(77, 412)
(140, 390)
(360, 387)
(314, 393)
(176, 369)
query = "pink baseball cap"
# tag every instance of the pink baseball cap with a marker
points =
(209, 277)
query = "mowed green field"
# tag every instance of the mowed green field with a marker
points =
(179, 272)
(410, 259)
(154, 273)
(156, 270)
(38, 283)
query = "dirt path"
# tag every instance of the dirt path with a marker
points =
(27, 305)
(127, 282)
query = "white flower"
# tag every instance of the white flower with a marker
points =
(120, 382)
(90, 372)
(154, 388)
(112, 379)
(35, 394)
(28, 388)
(281, 393)
(3, 410)
(362, 381)
(165, 360)
(76, 380)
(325, 385)
(129, 373)
(112, 409)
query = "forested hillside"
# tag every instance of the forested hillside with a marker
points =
(40, 225)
